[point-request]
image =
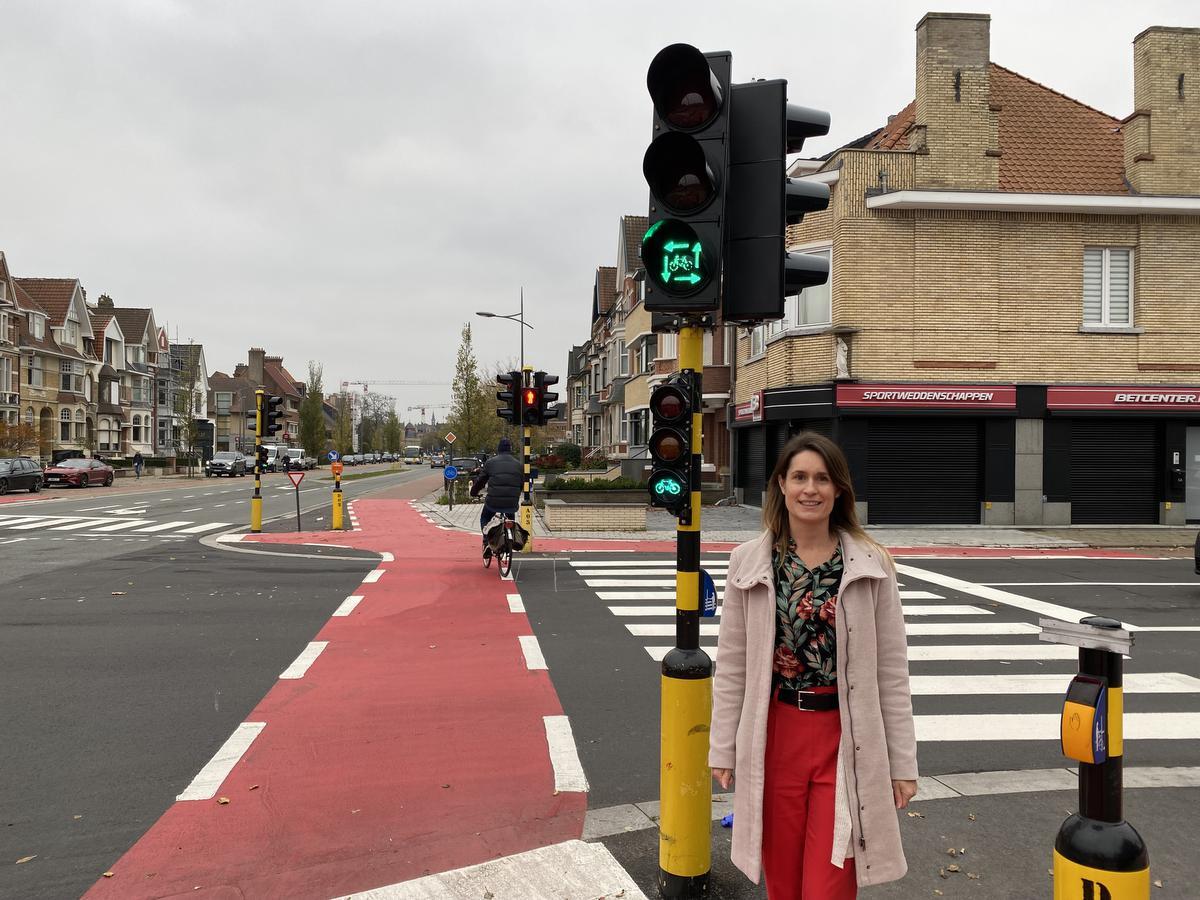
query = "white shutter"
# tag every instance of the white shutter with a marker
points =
(1093, 286)
(1118, 287)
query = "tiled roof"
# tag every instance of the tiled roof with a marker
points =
(1049, 143)
(133, 322)
(635, 228)
(99, 323)
(282, 384)
(606, 288)
(52, 294)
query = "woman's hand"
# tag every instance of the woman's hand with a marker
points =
(725, 778)
(902, 792)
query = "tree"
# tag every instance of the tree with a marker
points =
(312, 415)
(465, 412)
(374, 416)
(17, 439)
(188, 403)
(393, 432)
(343, 425)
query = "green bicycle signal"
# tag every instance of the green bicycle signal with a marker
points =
(675, 257)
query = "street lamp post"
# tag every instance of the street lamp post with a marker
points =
(526, 512)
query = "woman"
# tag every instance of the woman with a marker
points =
(811, 707)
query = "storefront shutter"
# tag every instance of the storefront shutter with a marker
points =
(752, 463)
(1115, 471)
(925, 471)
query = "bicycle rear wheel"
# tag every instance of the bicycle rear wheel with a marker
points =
(504, 559)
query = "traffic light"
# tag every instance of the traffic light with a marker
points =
(510, 397)
(252, 417)
(531, 406)
(547, 411)
(671, 406)
(685, 167)
(261, 452)
(271, 414)
(763, 201)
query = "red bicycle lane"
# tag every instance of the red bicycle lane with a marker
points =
(414, 744)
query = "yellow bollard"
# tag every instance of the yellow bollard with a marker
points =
(338, 499)
(256, 515)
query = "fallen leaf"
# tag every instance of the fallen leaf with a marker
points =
(222, 800)
(1158, 882)
(108, 874)
(78, 817)
(953, 868)
(938, 893)
(25, 859)
(971, 816)
(118, 593)
(972, 876)
(916, 815)
(445, 785)
(254, 787)
(942, 872)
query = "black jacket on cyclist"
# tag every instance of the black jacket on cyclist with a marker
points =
(502, 475)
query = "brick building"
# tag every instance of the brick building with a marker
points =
(1011, 333)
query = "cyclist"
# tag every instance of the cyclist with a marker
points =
(503, 475)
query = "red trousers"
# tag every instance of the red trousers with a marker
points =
(798, 793)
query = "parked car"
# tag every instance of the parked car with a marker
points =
(20, 473)
(437, 461)
(466, 465)
(249, 459)
(79, 473)
(226, 462)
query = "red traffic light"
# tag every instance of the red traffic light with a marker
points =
(530, 397)
(669, 403)
(684, 89)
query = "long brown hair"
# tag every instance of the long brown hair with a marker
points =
(844, 516)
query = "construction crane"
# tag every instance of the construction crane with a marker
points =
(366, 389)
(424, 406)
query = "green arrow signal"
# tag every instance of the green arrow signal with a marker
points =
(671, 247)
(693, 278)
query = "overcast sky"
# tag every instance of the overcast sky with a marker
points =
(350, 182)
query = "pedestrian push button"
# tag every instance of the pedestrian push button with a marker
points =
(1085, 719)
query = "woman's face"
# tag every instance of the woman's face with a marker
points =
(808, 490)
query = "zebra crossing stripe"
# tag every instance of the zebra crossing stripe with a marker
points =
(82, 523)
(120, 526)
(165, 526)
(42, 523)
(1160, 726)
(947, 610)
(971, 685)
(913, 629)
(200, 529)
(989, 652)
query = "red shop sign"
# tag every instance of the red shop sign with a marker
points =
(927, 396)
(751, 410)
(1150, 397)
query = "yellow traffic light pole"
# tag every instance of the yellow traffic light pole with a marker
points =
(526, 511)
(256, 500)
(685, 781)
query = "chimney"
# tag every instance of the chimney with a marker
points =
(955, 125)
(1162, 155)
(256, 365)
(105, 302)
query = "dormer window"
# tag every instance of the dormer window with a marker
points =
(72, 332)
(37, 326)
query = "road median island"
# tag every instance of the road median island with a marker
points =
(413, 743)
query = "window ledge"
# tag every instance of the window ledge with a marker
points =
(755, 358)
(1110, 329)
(800, 331)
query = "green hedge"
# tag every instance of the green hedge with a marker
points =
(597, 484)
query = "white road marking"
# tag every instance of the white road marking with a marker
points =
(568, 771)
(217, 505)
(515, 603)
(668, 630)
(1088, 583)
(386, 557)
(632, 583)
(660, 611)
(348, 605)
(657, 653)
(118, 526)
(533, 652)
(920, 595)
(373, 576)
(43, 523)
(972, 628)
(77, 526)
(641, 573)
(98, 508)
(1159, 726)
(1168, 628)
(163, 527)
(15, 540)
(638, 595)
(980, 652)
(596, 563)
(306, 658)
(1135, 683)
(947, 610)
(13, 520)
(199, 529)
(194, 509)
(209, 779)
(1029, 604)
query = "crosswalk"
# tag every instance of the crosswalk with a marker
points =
(127, 523)
(972, 650)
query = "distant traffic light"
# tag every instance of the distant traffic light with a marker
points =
(261, 453)
(252, 417)
(671, 406)
(510, 397)
(547, 411)
(763, 201)
(685, 167)
(271, 423)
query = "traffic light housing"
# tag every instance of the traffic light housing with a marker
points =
(510, 397)
(763, 201)
(685, 167)
(671, 476)
(547, 411)
(261, 452)
(272, 414)
(252, 417)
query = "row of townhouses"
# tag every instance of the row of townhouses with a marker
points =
(1011, 329)
(100, 379)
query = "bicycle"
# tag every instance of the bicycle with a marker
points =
(507, 540)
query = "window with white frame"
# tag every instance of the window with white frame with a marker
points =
(224, 402)
(80, 427)
(758, 336)
(70, 376)
(34, 376)
(577, 400)
(1108, 286)
(624, 357)
(668, 347)
(37, 326)
(29, 415)
(137, 429)
(637, 427)
(64, 426)
(624, 428)
(72, 331)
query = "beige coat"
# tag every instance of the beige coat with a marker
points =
(878, 739)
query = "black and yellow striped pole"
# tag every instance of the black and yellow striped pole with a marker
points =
(1097, 854)
(526, 512)
(685, 781)
(256, 500)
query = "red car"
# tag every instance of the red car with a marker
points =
(79, 473)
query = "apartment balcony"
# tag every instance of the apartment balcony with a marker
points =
(9, 398)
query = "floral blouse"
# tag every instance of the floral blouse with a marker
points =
(805, 615)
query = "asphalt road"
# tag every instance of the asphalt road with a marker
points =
(67, 527)
(125, 664)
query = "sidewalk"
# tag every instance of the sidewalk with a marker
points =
(742, 523)
(410, 738)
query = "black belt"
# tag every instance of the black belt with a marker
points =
(808, 700)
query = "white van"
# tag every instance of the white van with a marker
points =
(273, 458)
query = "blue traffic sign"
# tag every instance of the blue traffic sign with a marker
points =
(334, 456)
(708, 594)
(451, 473)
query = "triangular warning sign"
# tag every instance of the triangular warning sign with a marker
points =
(296, 478)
